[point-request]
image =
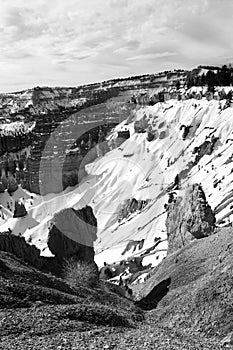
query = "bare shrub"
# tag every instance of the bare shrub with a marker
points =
(80, 273)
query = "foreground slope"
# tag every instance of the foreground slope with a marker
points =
(192, 288)
(41, 311)
(37, 308)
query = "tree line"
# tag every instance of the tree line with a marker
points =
(215, 76)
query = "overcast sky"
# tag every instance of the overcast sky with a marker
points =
(71, 42)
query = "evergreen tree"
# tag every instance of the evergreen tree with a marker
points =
(210, 80)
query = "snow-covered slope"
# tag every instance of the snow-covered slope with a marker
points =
(143, 170)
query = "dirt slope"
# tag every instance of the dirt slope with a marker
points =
(193, 287)
(34, 304)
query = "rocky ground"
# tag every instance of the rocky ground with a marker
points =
(41, 311)
(37, 309)
(56, 328)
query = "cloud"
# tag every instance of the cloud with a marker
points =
(84, 41)
(151, 56)
(119, 3)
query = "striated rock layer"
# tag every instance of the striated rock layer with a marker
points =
(36, 114)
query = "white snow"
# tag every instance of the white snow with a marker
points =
(142, 170)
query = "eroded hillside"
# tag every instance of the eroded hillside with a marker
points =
(154, 156)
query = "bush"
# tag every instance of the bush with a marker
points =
(80, 273)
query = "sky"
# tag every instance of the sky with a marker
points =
(73, 42)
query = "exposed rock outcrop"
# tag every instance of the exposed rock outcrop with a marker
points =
(72, 234)
(12, 185)
(130, 206)
(14, 142)
(206, 147)
(18, 246)
(2, 187)
(20, 210)
(186, 129)
(189, 218)
(140, 126)
(150, 136)
(31, 116)
(133, 244)
(125, 134)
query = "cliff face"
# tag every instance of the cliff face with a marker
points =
(36, 113)
(189, 218)
(15, 141)
(64, 154)
(72, 234)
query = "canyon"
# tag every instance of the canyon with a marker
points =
(133, 176)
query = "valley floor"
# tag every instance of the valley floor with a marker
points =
(70, 334)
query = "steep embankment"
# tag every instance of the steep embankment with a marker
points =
(146, 170)
(192, 288)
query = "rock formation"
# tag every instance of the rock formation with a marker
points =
(130, 206)
(20, 210)
(12, 185)
(189, 218)
(35, 114)
(150, 136)
(72, 234)
(140, 126)
(2, 187)
(206, 147)
(18, 246)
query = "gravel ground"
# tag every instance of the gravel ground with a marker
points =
(76, 335)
